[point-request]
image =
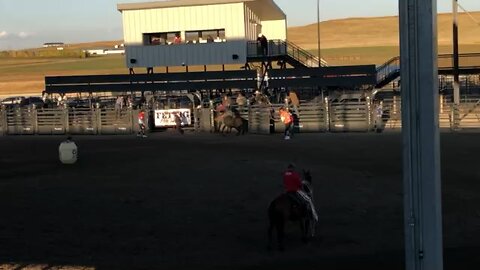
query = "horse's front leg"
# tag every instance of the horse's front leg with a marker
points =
(270, 232)
(309, 229)
(222, 129)
(280, 234)
(312, 228)
(304, 226)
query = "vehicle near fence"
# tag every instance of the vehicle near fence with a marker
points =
(79, 103)
(104, 102)
(11, 102)
(33, 102)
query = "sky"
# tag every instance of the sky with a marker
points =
(30, 23)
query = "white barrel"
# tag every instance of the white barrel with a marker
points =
(68, 152)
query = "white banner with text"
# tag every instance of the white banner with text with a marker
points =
(166, 118)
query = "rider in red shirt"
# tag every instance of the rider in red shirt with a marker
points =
(293, 185)
(291, 179)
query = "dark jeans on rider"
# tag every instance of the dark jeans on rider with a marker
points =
(288, 129)
(141, 128)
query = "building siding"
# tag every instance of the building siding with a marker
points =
(226, 16)
(252, 22)
(188, 54)
(275, 29)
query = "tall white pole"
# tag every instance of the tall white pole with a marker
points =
(421, 138)
(318, 34)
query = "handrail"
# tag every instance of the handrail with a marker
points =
(392, 66)
(284, 48)
(388, 69)
(299, 54)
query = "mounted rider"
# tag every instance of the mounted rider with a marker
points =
(294, 186)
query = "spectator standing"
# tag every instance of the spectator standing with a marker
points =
(141, 124)
(178, 123)
(287, 120)
(294, 101)
(378, 106)
(119, 105)
(263, 44)
(241, 100)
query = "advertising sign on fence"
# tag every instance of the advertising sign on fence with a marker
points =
(166, 118)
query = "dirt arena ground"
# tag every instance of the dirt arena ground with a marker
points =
(199, 201)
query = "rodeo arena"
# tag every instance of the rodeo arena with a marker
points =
(197, 197)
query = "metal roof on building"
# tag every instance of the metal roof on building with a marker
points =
(267, 9)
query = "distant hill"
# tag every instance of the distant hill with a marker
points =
(377, 31)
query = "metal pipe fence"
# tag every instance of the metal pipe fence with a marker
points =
(316, 116)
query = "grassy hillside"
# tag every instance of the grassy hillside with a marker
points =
(356, 41)
(378, 31)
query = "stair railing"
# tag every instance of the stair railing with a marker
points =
(386, 70)
(282, 48)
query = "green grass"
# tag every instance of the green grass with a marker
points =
(44, 52)
(53, 65)
(358, 56)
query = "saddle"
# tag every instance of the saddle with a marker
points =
(298, 201)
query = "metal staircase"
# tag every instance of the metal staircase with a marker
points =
(298, 57)
(469, 64)
(280, 50)
(388, 72)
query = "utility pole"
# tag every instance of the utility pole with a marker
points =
(318, 34)
(421, 136)
(456, 72)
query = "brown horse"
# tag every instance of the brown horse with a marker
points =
(236, 122)
(285, 208)
(232, 119)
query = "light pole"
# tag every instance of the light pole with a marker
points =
(318, 34)
(456, 80)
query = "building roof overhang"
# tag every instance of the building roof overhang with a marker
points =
(265, 9)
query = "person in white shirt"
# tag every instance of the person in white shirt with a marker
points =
(68, 151)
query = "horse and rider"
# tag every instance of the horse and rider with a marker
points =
(295, 204)
(230, 118)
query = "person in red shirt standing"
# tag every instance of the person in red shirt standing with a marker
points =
(141, 123)
(292, 183)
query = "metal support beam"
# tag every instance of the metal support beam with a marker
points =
(421, 139)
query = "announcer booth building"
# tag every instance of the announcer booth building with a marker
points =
(197, 32)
